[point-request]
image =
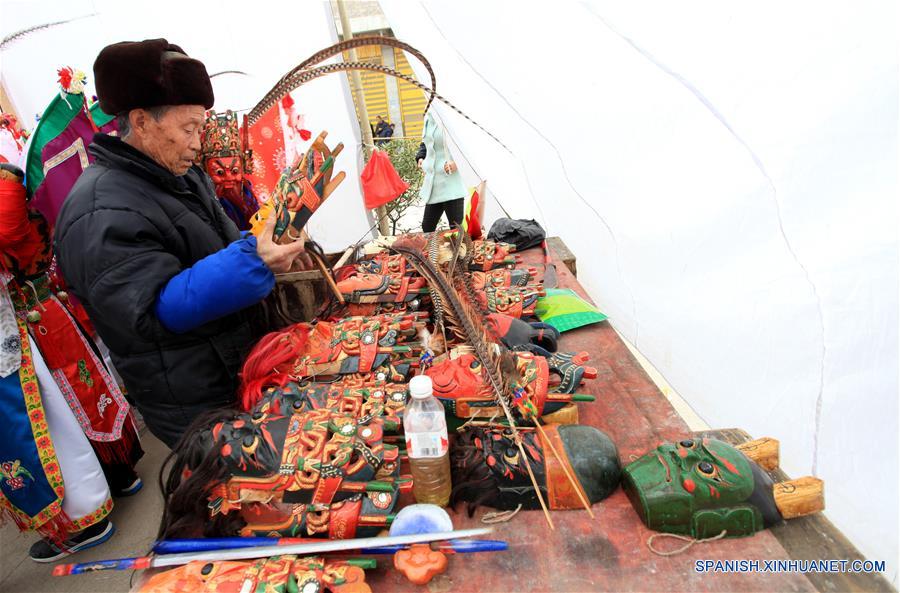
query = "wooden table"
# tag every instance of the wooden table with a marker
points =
(609, 552)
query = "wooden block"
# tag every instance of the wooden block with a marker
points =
(568, 414)
(800, 497)
(764, 452)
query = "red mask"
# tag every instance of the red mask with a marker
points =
(226, 175)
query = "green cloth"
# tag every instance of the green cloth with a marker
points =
(59, 114)
(564, 309)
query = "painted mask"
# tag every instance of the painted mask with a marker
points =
(503, 278)
(382, 400)
(487, 469)
(314, 473)
(226, 175)
(517, 301)
(378, 344)
(275, 573)
(373, 294)
(700, 487)
(540, 338)
(385, 264)
(460, 383)
(222, 153)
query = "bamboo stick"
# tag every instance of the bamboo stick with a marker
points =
(328, 279)
(537, 489)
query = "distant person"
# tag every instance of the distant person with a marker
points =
(442, 188)
(383, 130)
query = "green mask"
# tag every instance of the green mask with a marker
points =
(700, 487)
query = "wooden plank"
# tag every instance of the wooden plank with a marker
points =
(562, 254)
(813, 537)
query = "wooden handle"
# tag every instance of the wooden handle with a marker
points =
(332, 185)
(328, 279)
(764, 452)
(800, 497)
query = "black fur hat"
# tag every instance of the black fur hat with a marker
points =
(150, 73)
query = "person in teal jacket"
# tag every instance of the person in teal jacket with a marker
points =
(442, 189)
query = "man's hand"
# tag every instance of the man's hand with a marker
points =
(277, 257)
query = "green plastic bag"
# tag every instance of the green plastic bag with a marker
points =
(564, 309)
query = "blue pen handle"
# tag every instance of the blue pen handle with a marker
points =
(177, 546)
(117, 564)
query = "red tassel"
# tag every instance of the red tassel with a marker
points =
(268, 363)
(57, 530)
(126, 450)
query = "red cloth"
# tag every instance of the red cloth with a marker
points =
(380, 181)
(23, 237)
(266, 139)
(474, 215)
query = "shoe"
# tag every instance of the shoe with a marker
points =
(44, 551)
(131, 490)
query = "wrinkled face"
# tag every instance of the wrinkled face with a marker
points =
(173, 140)
(670, 483)
(226, 174)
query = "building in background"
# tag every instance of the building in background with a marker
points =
(399, 102)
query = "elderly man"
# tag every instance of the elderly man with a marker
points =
(144, 244)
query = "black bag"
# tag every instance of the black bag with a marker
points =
(521, 233)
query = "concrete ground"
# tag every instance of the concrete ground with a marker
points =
(136, 519)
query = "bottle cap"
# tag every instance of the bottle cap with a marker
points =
(420, 387)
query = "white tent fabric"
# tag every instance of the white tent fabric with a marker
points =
(727, 177)
(231, 35)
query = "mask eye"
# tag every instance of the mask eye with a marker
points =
(707, 469)
(220, 171)
(474, 364)
(511, 455)
(687, 444)
(249, 443)
(234, 170)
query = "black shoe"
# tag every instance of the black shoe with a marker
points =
(44, 551)
(130, 490)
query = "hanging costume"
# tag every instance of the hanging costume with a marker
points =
(58, 324)
(51, 480)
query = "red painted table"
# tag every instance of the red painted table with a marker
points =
(609, 552)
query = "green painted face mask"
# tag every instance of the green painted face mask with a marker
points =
(699, 488)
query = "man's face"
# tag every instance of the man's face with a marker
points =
(173, 141)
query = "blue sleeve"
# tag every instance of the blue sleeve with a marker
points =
(217, 285)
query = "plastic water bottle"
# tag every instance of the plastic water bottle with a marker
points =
(425, 428)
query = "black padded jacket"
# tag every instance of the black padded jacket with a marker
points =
(126, 228)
